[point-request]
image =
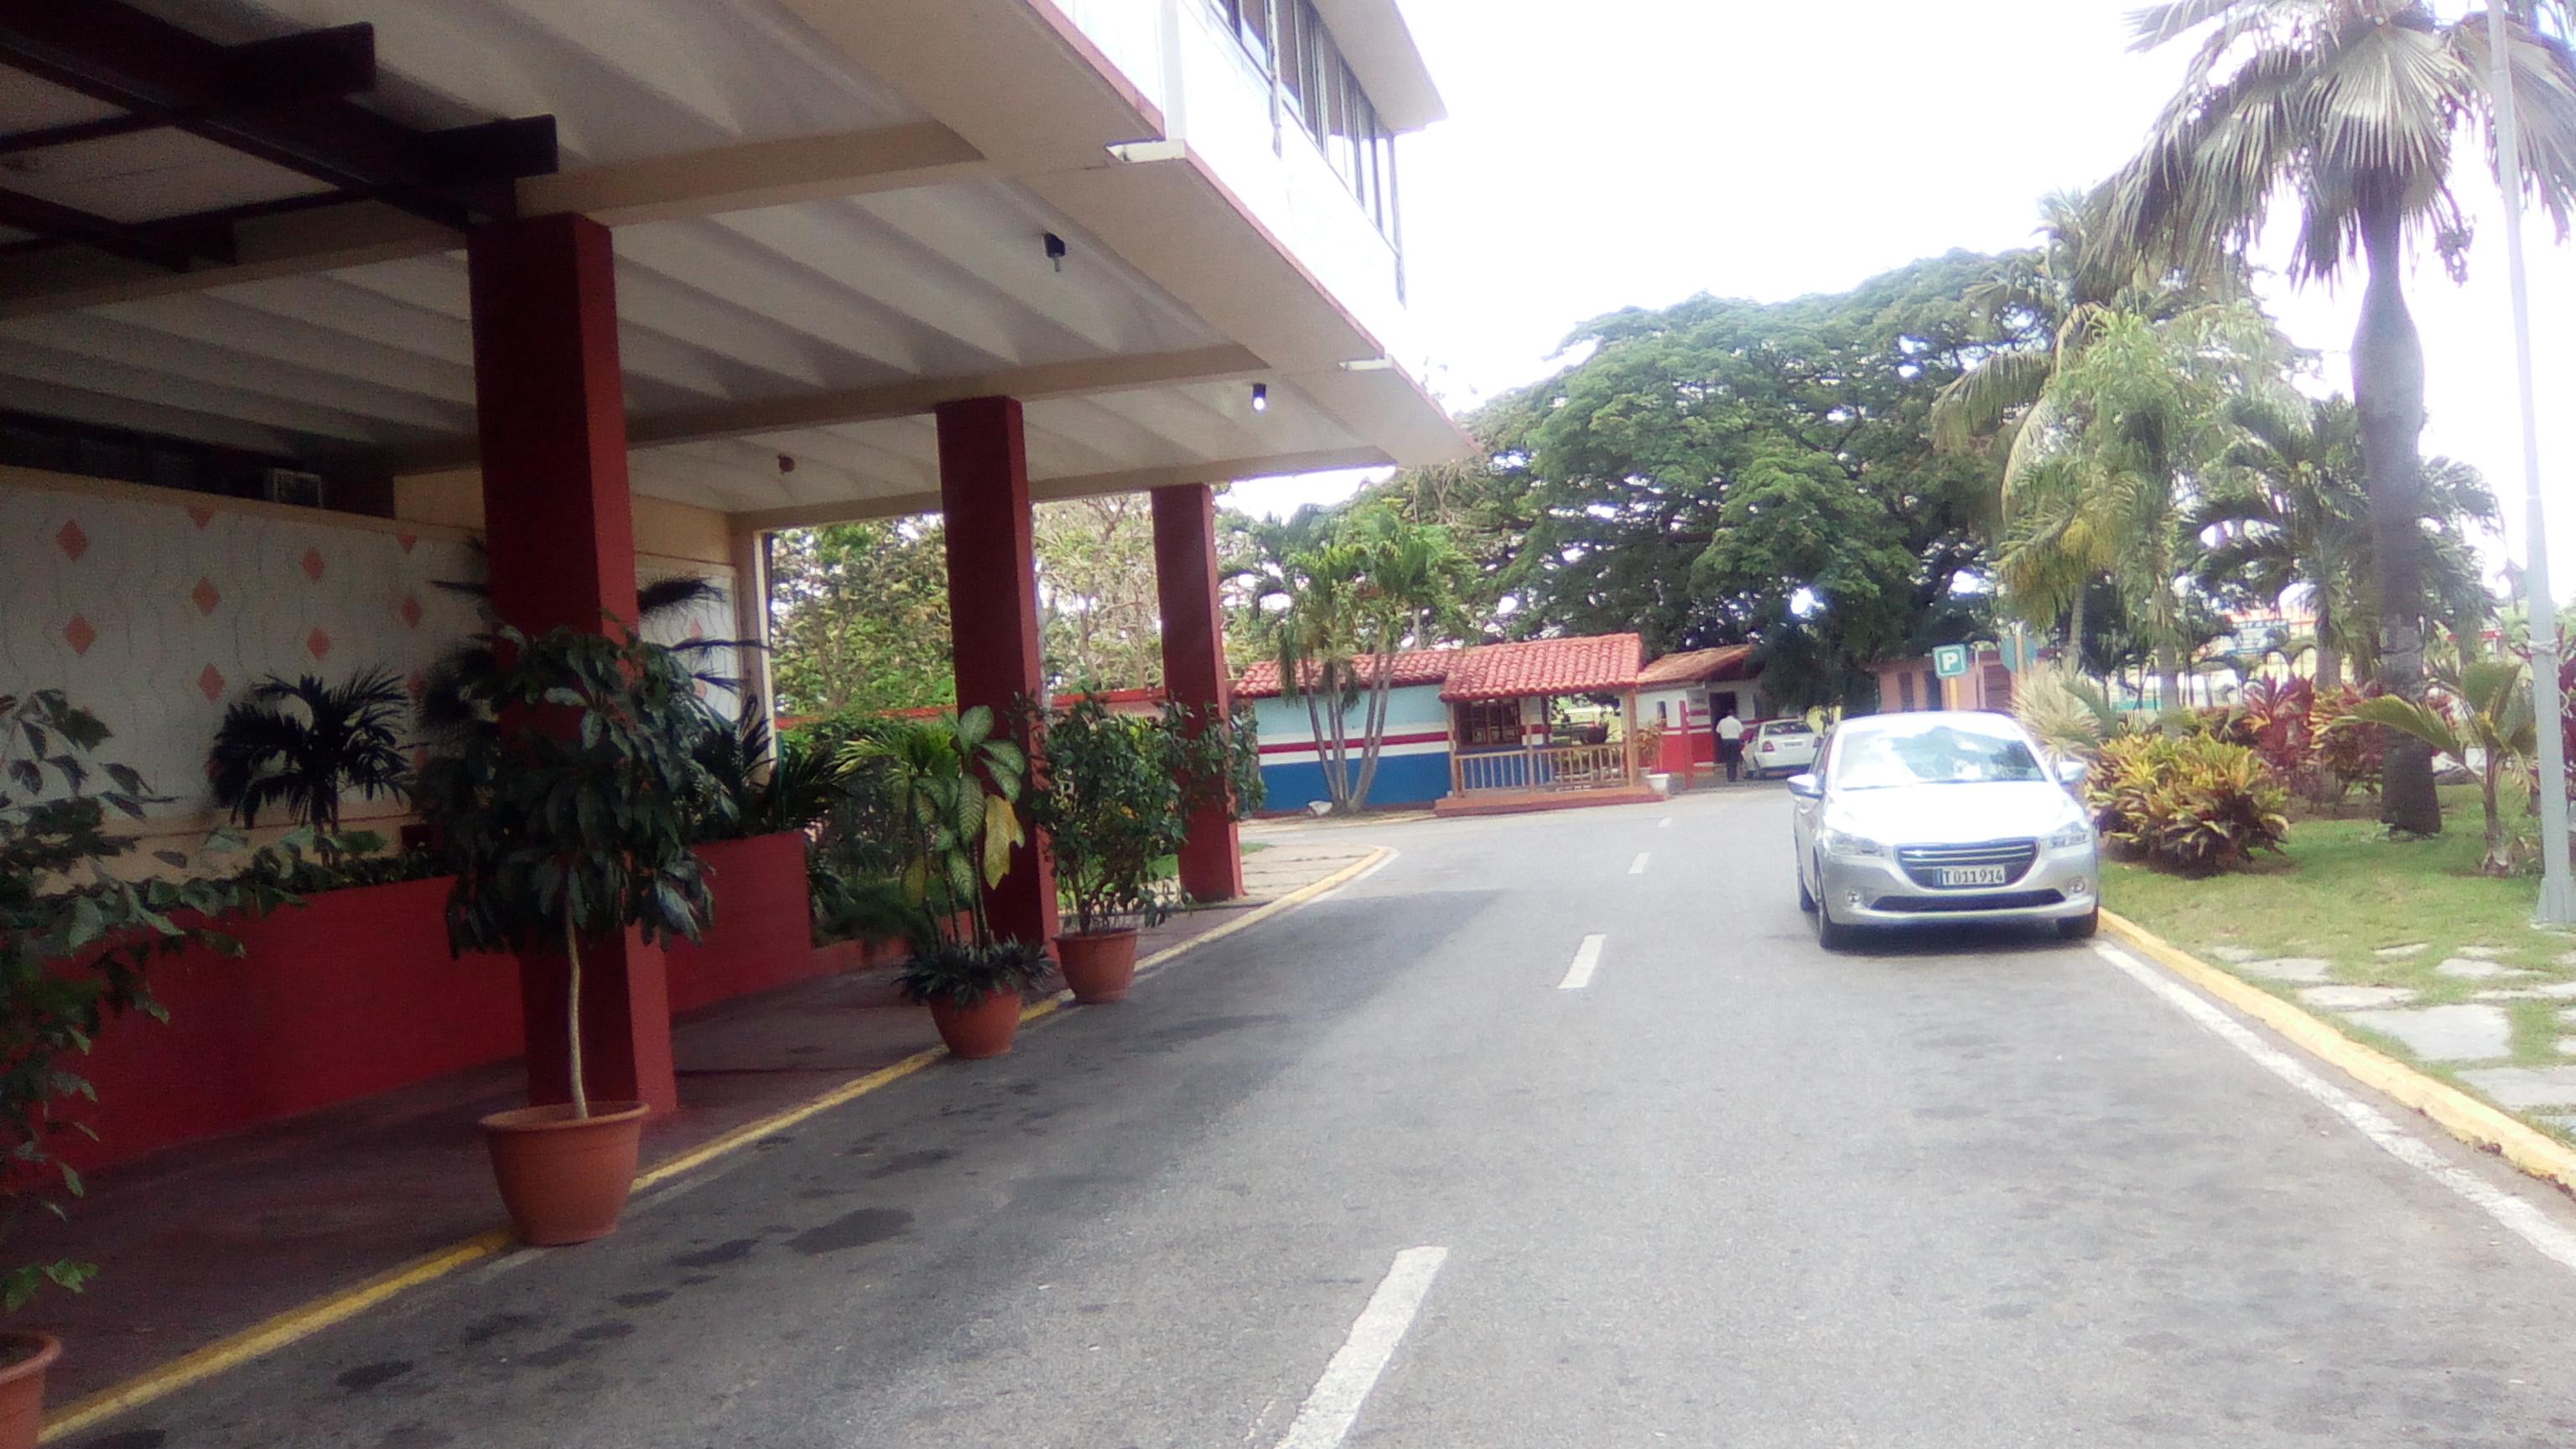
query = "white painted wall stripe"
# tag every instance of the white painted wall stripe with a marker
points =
(1325, 1419)
(1587, 959)
(2516, 1215)
(1638, 866)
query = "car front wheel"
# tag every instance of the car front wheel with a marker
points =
(1831, 934)
(1806, 897)
(2082, 927)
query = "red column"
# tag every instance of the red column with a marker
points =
(558, 523)
(993, 608)
(1194, 672)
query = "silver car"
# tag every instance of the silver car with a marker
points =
(1910, 819)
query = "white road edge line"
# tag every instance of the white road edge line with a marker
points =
(1665, 823)
(1587, 959)
(1325, 1419)
(2516, 1215)
(1638, 866)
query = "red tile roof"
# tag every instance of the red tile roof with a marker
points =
(1698, 664)
(1413, 666)
(1592, 664)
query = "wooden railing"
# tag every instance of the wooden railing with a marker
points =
(1550, 767)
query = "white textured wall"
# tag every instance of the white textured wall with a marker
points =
(157, 609)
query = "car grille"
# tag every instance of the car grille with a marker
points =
(1923, 863)
(1963, 901)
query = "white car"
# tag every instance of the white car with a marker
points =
(1779, 747)
(1917, 819)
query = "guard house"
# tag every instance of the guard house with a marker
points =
(1488, 728)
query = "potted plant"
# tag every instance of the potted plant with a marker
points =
(568, 823)
(953, 787)
(1110, 797)
(76, 944)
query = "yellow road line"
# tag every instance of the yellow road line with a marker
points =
(268, 1337)
(306, 1319)
(2463, 1116)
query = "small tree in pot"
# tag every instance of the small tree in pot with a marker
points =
(567, 824)
(953, 787)
(1110, 796)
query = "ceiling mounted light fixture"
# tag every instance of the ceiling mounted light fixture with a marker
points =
(1261, 397)
(1055, 250)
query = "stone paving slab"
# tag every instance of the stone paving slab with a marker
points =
(2552, 991)
(2471, 968)
(2293, 968)
(2355, 998)
(2519, 1089)
(2461, 1033)
(2399, 953)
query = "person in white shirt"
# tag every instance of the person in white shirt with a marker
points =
(1730, 746)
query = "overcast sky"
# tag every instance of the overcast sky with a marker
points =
(1613, 153)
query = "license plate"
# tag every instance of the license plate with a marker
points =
(1972, 875)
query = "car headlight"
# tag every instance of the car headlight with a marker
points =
(2071, 836)
(1843, 842)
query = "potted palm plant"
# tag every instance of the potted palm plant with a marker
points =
(1110, 796)
(567, 824)
(953, 788)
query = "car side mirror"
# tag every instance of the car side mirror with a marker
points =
(2073, 772)
(1806, 786)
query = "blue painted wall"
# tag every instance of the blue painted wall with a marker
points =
(1401, 780)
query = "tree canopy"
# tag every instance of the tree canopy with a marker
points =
(1724, 471)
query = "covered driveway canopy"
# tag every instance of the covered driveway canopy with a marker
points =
(242, 222)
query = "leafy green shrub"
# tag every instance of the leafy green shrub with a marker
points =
(964, 973)
(77, 942)
(2343, 749)
(2190, 804)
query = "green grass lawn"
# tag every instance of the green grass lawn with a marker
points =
(2344, 893)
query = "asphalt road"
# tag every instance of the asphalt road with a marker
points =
(1978, 1191)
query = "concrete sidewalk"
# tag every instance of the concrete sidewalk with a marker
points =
(207, 1240)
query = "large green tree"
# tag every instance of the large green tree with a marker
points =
(1096, 600)
(1724, 471)
(861, 617)
(2356, 111)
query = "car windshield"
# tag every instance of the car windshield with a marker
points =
(1785, 729)
(1940, 754)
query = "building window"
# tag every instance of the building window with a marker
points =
(1489, 722)
(1319, 90)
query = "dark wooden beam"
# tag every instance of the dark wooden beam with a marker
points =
(62, 223)
(283, 100)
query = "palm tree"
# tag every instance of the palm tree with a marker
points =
(337, 738)
(2358, 109)
(2051, 547)
(2288, 510)
(1348, 604)
(2113, 460)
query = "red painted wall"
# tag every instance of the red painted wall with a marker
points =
(355, 993)
(762, 937)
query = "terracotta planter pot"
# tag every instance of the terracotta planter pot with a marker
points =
(1099, 967)
(24, 1357)
(564, 1178)
(982, 1030)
